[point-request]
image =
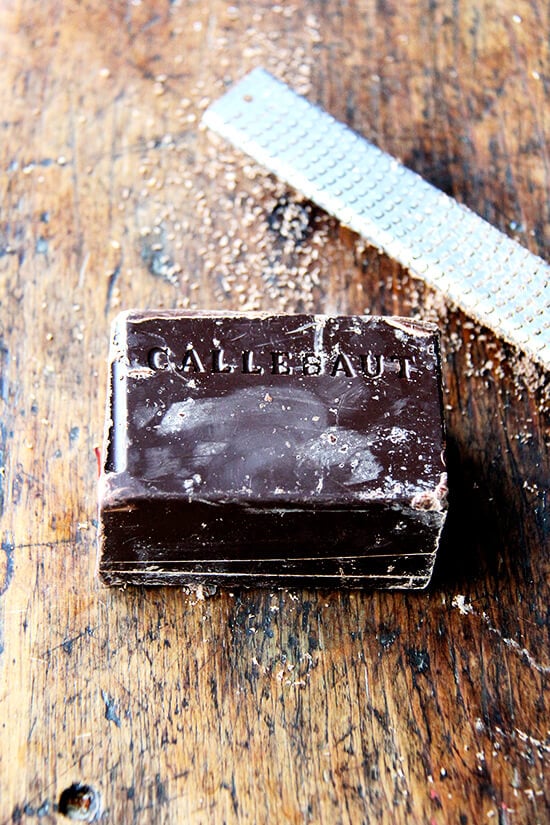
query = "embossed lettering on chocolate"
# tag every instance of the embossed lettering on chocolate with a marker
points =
(251, 449)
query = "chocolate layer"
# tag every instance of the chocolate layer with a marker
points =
(261, 449)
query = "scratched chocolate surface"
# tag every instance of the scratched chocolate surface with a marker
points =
(263, 449)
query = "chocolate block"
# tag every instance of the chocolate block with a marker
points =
(250, 449)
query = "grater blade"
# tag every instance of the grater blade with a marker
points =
(491, 277)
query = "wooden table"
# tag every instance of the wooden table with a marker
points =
(253, 706)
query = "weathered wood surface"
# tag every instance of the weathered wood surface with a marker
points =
(263, 706)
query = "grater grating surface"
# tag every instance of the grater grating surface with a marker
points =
(488, 275)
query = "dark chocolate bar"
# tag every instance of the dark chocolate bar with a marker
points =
(247, 449)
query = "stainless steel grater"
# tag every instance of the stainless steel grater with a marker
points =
(491, 277)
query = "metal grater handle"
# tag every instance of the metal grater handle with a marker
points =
(491, 277)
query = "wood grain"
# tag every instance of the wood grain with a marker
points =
(252, 706)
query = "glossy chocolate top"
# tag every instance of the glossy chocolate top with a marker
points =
(294, 409)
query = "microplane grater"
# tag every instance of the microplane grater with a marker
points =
(488, 275)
